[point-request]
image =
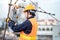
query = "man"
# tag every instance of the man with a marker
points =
(28, 28)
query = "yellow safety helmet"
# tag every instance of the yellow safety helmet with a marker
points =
(29, 7)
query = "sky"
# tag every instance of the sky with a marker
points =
(51, 6)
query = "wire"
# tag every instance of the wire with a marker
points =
(45, 12)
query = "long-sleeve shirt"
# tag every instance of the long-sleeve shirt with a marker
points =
(26, 26)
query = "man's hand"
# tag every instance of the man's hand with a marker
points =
(8, 19)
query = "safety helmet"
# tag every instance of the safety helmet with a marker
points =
(29, 7)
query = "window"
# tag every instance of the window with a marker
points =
(43, 29)
(39, 29)
(51, 29)
(47, 29)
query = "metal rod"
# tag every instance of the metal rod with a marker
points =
(6, 21)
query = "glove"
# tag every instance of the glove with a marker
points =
(11, 23)
(8, 19)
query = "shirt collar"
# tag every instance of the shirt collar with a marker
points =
(30, 17)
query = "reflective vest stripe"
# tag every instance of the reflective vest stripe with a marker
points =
(27, 37)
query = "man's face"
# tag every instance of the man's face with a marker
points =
(26, 14)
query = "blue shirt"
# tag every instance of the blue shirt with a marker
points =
(26, 26)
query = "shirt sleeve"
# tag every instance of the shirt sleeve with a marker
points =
(20, 27)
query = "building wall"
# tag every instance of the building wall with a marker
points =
(56, 32)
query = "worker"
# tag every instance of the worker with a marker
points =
(28, 28)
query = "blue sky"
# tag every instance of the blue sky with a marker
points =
(52, 6)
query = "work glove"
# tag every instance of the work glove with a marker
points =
(8, 19)
(10, 22)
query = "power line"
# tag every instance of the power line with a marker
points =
(45, 12)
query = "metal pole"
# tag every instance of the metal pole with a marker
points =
(6, 21)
